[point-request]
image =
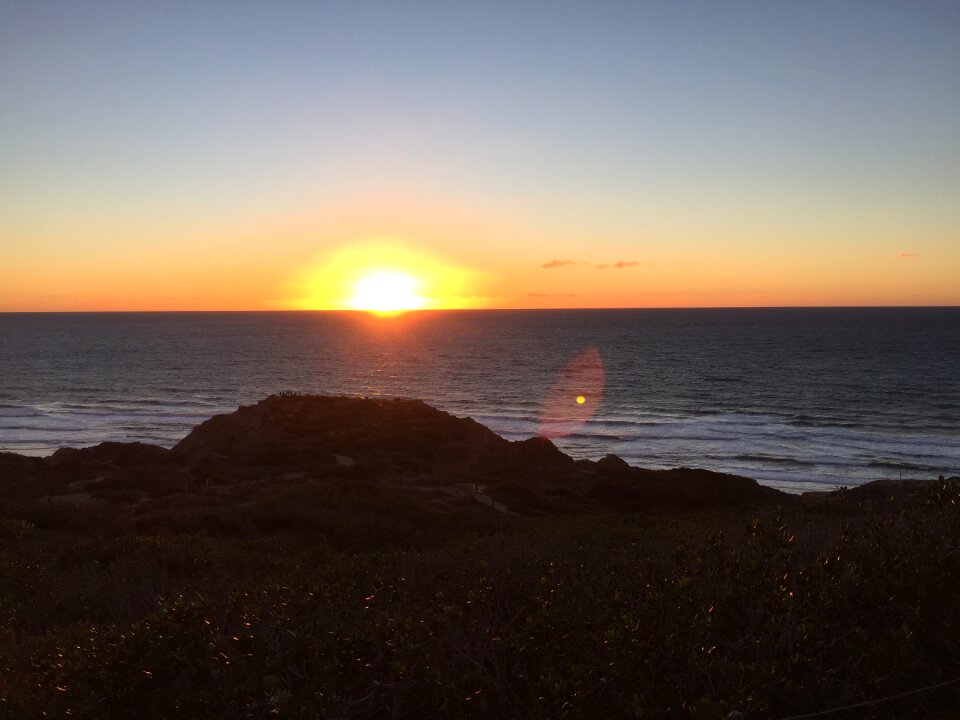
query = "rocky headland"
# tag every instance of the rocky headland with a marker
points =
(310, 557)
(391, 443)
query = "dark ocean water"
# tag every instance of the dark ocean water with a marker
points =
(796, 398)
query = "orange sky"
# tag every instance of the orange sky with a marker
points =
(163, 159)
(464, 258)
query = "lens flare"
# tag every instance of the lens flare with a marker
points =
(582, 378)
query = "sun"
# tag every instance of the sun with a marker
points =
(383, 277)
(387, 292)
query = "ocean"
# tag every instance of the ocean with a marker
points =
(799, 399)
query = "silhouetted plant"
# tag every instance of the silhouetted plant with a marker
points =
(610, 616)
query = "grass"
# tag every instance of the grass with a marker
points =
(341, 604)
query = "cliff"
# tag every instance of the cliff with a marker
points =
(391, 443)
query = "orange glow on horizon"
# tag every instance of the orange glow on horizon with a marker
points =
(387, 293)
(460, 260)
(384, 277)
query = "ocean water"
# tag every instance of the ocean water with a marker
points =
(798, 399)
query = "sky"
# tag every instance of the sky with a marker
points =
(247, 156)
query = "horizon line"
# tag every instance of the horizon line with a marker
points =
(423, 311)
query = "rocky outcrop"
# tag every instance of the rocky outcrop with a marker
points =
(18, 472)
(637, 490)
(394, 442)
(308, 431)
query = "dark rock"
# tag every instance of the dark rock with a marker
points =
(14, 467)
(313, 431)
(404, 443)
(112, 454)
(639, 490)
(614, 466)
(536, 456)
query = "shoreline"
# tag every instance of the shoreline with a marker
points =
(168, 441)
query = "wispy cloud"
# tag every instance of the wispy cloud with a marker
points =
(619, 265)
(908, 255)
(558, 263)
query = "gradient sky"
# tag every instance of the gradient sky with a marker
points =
(163, 155)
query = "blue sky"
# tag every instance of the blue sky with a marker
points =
(699, 126)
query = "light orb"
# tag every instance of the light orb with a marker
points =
(387, 292)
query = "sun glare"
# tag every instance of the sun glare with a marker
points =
(387, 293)
(385, 278)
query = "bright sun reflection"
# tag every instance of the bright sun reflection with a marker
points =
(387, 292)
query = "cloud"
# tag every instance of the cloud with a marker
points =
(908, 255)
(619, 265)
(558, 263)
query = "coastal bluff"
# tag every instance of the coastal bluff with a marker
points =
(401, 445)
(335, 557)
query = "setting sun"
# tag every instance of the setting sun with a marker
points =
(387, 292)
(383, 276)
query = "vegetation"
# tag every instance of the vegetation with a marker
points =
(350, 602)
